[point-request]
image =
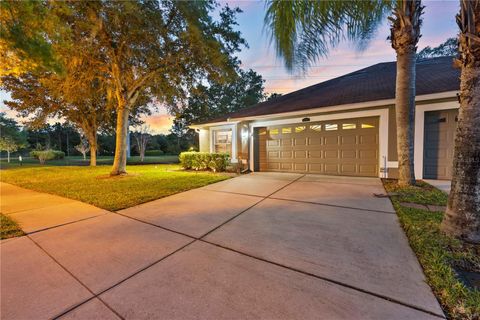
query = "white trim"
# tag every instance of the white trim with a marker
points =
(420, 127)
(392, 164)
(344, 107)
(382, 130)
(232, 127)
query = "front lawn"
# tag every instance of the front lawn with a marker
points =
(9, 228)
(440, 256)
(78, 161)
(94, 185)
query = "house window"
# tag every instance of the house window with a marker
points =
(223, 141)
(348, 126)
(262, 131)
(273, 131)
(316, 127)
(367, 126)
(299, 129)
(331, 127)
(286, 130)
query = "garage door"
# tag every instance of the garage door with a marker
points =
(341, 147)
(439, 144)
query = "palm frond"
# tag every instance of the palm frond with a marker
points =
(305, 31)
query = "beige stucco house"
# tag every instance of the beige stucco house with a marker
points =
(344, 126)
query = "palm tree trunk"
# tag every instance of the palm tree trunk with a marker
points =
(120, 159)
(462, 217)
(405, 116)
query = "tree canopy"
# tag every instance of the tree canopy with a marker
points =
(448, 48)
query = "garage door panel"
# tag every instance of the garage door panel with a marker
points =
(348, 169)
(348, 154)
(331, 154)
(300, 154)
(332, 140)
(300, 166)
(350, 139)
(344, 149)
(299, 141)
(314, 154)
(286, 154)
(314, 141)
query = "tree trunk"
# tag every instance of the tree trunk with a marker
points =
(84, 153)
(405, 116)
(93, 150)
(120, 159)
(8, 156)
(462, 217)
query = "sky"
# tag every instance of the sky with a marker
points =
(438, 25)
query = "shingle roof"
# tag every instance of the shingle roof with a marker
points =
(373, 83)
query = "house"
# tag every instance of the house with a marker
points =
(344, 126)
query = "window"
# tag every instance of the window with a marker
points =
(299, 129)
(331, 127)
(367, 126)
(316, 127)
(348, 126)
(286, 130)
(262, 131)
(223, 141)
(273, 131)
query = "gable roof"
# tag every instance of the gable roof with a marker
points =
(373, 83)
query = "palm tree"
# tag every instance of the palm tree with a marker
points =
(304, 31)
(462, 217)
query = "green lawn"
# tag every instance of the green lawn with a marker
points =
(438, 254)
(94, 185)
(9, 228)
(78, 161)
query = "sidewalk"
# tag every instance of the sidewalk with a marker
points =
(36, 211)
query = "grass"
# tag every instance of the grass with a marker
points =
(94, 185)
(9, 228)
(78, 161)
(438, 253)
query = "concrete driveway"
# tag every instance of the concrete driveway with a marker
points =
(273, 246)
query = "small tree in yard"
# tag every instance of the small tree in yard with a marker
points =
(9, 145)
(142, 137)
(11, 138)
(83, 148)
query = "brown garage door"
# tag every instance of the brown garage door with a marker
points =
(439, 144)
(341, 147)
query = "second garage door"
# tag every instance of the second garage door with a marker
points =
(341, 147)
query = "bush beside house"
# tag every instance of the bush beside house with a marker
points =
(204, 161)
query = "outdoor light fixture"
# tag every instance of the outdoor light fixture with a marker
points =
(305, 119)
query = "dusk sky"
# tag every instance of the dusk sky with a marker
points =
(439, 24)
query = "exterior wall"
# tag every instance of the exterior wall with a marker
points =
(392, 134)
(204, 140)
(242, 132)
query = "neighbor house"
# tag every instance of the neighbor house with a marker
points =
(344, 126)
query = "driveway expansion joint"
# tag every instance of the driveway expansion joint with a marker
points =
(334, 205)
(342, 284)
(78, 280)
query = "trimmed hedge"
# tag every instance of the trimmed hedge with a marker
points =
(204, 161)
(44, 155)
(153, 153)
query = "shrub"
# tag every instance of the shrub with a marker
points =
(153, 153)
(204, 161)
(44, 155)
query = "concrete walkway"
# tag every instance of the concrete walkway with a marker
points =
(444, 185)
(276, 246)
